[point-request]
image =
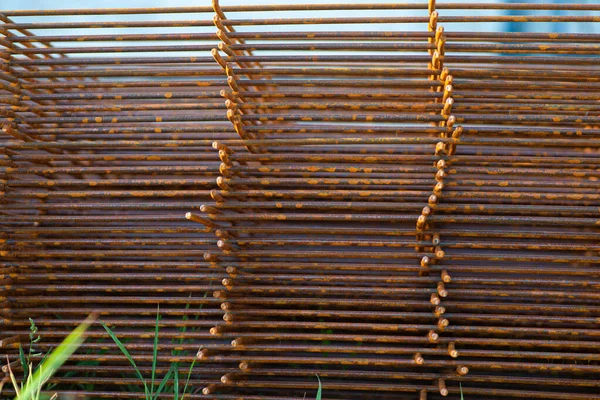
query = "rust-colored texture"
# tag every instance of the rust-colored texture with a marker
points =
(389, 196)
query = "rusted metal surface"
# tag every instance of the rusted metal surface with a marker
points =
(404, 210)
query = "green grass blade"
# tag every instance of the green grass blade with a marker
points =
(164, 381)
(155, 350)
(187, 381)
(176, 381)
(36, 395)
(461, 393)
(126, 353)
(56, 359)
(319, 390)
(23, 360)
(45, 357)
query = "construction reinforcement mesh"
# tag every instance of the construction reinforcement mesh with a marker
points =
(391, 197)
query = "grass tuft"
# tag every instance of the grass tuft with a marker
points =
(36, 378)
(149, 392)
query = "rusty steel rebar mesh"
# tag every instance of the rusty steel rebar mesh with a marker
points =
(110, 149)
(408, 210)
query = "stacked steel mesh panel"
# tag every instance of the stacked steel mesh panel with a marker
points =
(404, 210)
(110, 147)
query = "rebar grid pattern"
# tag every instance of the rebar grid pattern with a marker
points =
(397, 210)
